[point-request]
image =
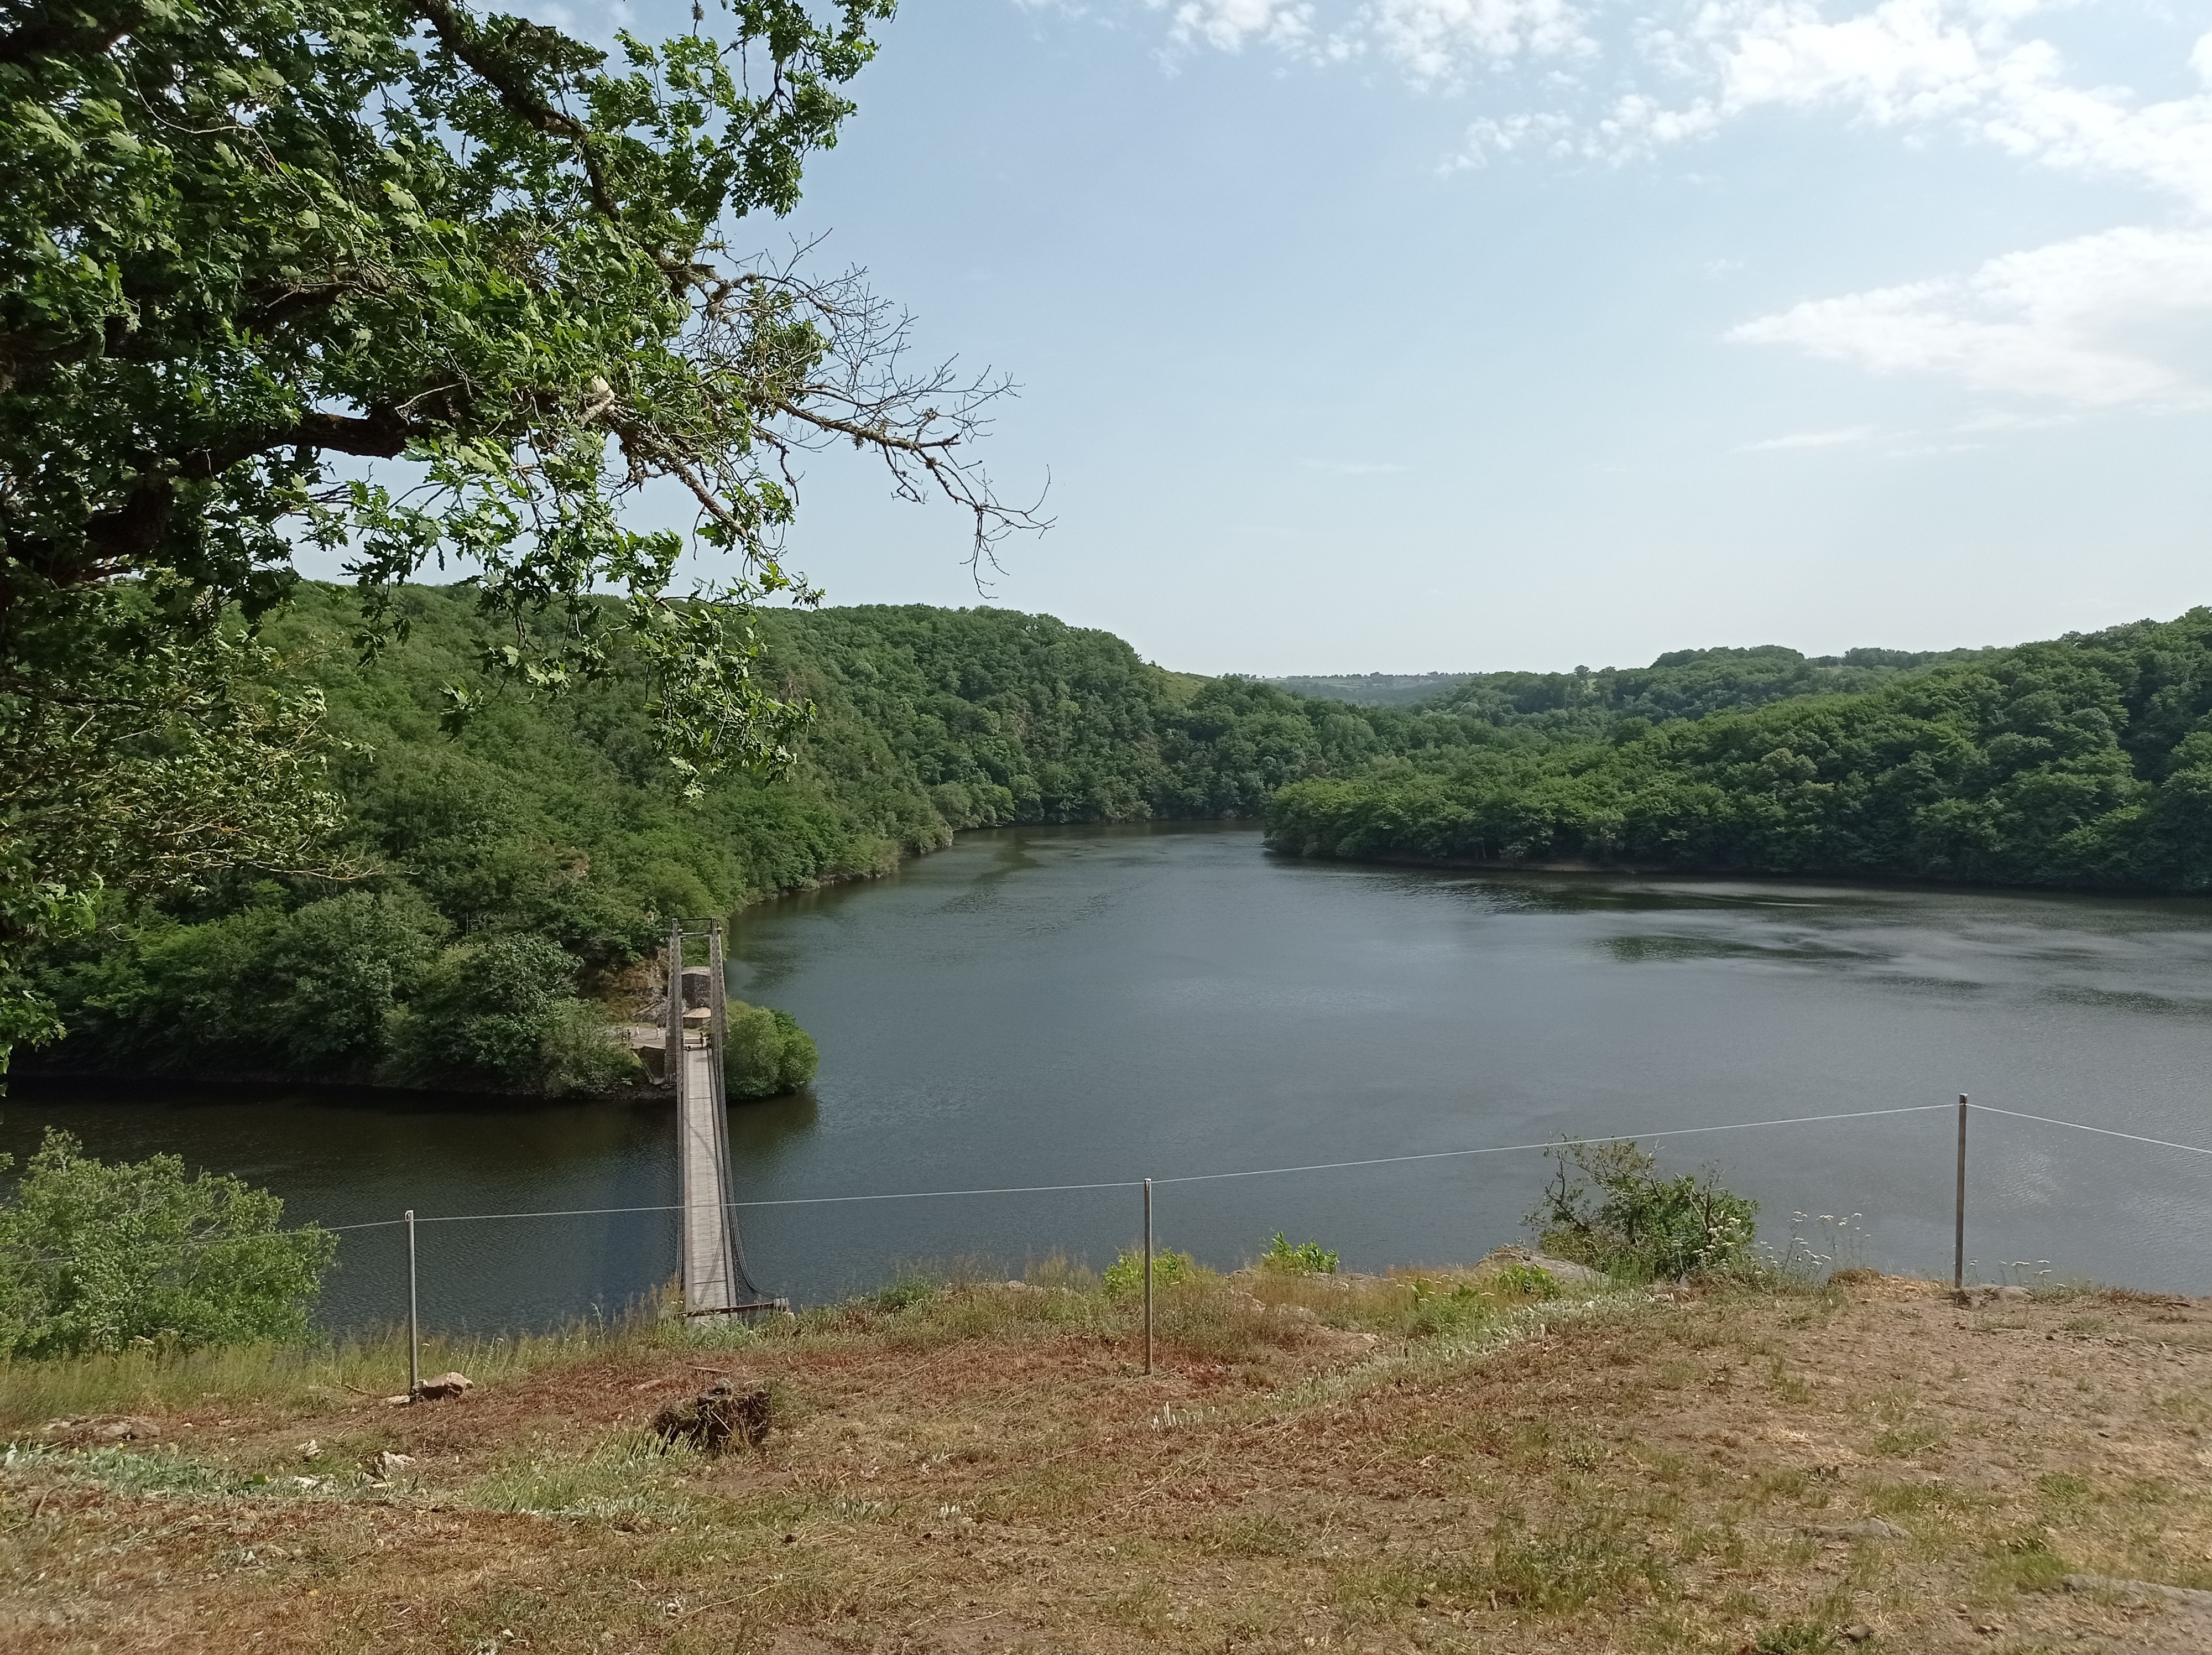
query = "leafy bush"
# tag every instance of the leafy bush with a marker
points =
(1306, 1258)
(766, 1053)
(1608, 1207)
(499, 1011)
(579, 1057)
(95, 1256)
(1435, 1310)
(1126, 1275)
(1529, 1281)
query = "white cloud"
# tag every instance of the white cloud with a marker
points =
(1845, 437)
(1436, 42)
(1231, 25)
(2101, 320)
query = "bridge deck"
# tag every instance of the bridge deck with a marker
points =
(713, 1279)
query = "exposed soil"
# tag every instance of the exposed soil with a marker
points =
(1873, 1468)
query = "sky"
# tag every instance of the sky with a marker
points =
(1452, 335)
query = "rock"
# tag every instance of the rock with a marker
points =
(101, 1427)
(2013, 1295)
(445, 1385)
(1975, 1298)
(1857, 1633)
(715, 1418)
(1563, 1270)
(386, 1463)
(2187, 1597)
(1559, 1270)
(1867, 1528)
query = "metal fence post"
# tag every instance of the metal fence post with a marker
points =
(1148, 1275)
(414, 1323)
(1958, 1231)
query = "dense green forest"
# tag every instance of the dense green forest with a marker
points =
(511, 875)
(2085, 762)
(510, 879)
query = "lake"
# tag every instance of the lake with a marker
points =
(1066, 1006)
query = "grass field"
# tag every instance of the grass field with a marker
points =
(1451, 1462)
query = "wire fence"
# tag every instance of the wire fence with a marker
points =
(1201, 1177)
(1654, 1134)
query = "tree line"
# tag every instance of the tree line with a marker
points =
(505, 880)
(2085, 762)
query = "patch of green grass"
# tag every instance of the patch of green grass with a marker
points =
(1529, 1281)
(130, 1471)
(2024, 1561)
(1903, 1441)
(1559, 1572)
(280, 1379)
(2063, 1487)
(1901, 1498)
(630, 1476)
(1126, 1275)
(902, 1292)
(1255, 1534)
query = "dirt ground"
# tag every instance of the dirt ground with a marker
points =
(1870, 1467)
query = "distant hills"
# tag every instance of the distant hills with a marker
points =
(1681, 684)
(1372, 689)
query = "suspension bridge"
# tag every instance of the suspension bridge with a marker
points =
(697, 1029)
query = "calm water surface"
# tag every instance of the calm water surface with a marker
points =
(1065, 1006)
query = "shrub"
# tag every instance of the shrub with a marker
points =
(1529, 1281)
(1306, 1258)
(1126, 1275)
(766, 1053)
(95, 1256)
(1607, 1206)
(1436, 1310)
(579, 1057)
(500, 1010)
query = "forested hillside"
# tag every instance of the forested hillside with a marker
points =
(2085, 762)
(512, 872)
(509, 878)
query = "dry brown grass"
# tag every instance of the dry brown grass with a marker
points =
(1365, 1464)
